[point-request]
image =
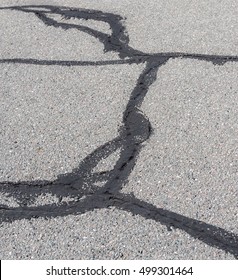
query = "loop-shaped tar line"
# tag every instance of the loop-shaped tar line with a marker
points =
(134, 132)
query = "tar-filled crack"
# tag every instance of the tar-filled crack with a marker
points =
(80, 184)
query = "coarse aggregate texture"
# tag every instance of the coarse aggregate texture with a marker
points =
(52, 117)
(29, 37)
(207, 27)
(189, 165)
(55, 118)
(102, 234)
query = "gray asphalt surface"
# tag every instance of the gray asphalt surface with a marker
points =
(52, 117)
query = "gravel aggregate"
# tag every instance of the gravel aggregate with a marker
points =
(53, 116)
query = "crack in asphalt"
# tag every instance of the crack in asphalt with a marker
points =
(80, 184)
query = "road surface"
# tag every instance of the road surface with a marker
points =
(119, 129)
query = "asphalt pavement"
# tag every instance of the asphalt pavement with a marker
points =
(119, 129)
